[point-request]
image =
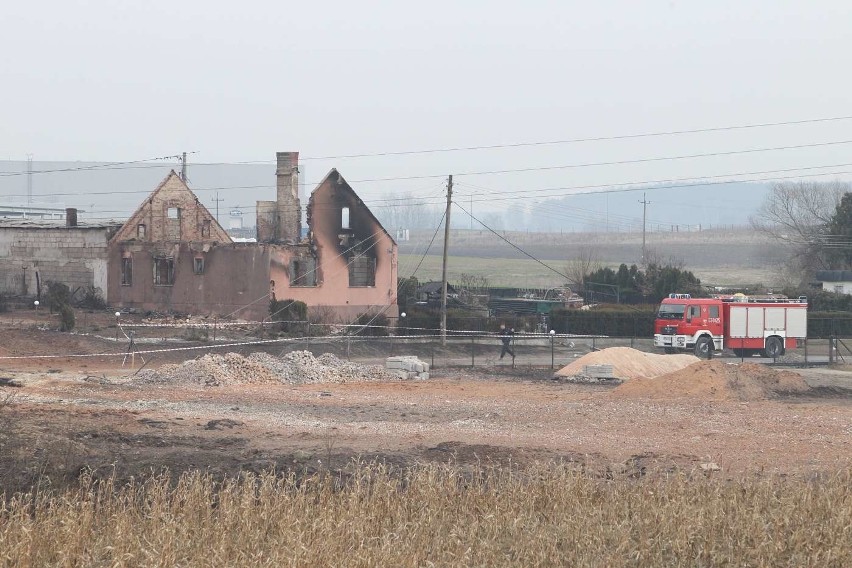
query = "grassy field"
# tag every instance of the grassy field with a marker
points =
(525, 272)
(550, 515)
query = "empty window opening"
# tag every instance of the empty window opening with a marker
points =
(126, 271)
(198, 265)
(174, 212)
(344, 218)
(303, 272)
(362, 271)
(164, 271)
(140, 230)
(205, 229)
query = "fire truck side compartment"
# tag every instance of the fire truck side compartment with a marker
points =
(755, 322)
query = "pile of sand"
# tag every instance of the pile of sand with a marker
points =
(715, 380)
(628, 363)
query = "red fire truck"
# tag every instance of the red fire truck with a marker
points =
(746, 325)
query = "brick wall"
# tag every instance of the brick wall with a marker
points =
(234, 280)
(289, 208)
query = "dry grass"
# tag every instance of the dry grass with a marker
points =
(526, 272)
(432, 515)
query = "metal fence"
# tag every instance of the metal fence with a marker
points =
(459, 349)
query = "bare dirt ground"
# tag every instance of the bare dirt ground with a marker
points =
(66, 414)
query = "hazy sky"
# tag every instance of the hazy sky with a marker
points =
(236, 81)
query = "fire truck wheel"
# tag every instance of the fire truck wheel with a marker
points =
(703, 347)
(774, 347)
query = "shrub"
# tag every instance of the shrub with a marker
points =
(92, 299)
(197, 334)
(58, 295)
(284, 311)
(66, 317)
(374, 325)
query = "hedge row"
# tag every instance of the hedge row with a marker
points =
(825, 324)
(612, 322)
(425, 322)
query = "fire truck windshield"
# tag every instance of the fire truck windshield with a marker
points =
(672, 311)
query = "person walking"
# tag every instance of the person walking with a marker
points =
(506, 336)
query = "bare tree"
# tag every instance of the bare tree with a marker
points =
(586, 262)
(796, 214)
(473, 289)
(654, 258)
(405, 211)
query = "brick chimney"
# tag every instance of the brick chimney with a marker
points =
(289, 208)
(70, 217)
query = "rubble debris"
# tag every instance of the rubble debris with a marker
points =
(221, 423)
(717, 380)
(407, 367)
(582, 378)
(296, 367)
(626, 364)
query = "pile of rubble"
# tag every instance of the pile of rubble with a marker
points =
(297, 367)
(301, 367)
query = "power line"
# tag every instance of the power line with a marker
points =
(492, 192)
(432, 240)
(613, 163)
(580, 140)
(541, 143)
(513, 245)
(475, 173)
(567, 191)
(605, 188)
(99, 166)
(608, 188)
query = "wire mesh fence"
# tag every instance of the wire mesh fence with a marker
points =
(830, 340)
(458, 349)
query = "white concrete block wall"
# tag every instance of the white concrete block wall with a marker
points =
(75, 256)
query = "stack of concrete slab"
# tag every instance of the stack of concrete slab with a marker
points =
(598, 371)
(407, 367)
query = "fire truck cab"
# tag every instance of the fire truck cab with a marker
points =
(748, 326)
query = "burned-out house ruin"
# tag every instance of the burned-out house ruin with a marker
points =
(34, 252)
(172, 255)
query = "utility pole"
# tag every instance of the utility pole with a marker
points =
(183, 170)
(644, 203)
(217, 200)
(444, 264)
